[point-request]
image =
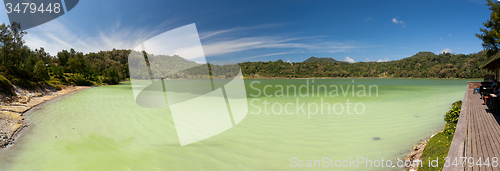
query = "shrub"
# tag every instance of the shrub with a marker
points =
(6, 87)
(452, 115)
(54, 84)
(79, 79)
(449, 128)
(41, 71)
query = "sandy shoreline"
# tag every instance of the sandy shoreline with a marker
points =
(12, 111)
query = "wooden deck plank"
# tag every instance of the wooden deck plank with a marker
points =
(491, 126)
(468, 146)
(484, 139)
(475, 134)
(483, 133)
(477, 142)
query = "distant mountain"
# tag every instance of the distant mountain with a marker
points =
(314, 59)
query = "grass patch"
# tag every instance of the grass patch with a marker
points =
(437, 147)
(6, 87)
(54, 84)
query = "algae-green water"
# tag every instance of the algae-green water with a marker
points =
(102, 128)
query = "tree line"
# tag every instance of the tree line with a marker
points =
(29, 68)
(421, 65)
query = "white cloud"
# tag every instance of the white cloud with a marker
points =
(367, 60)
(396, 21)
(219, 47)
(368, 19)
(264, 55)
(206, 35)
(54, 36)
(447, 50)
(350, 60)
(449, 35)
(384, 60)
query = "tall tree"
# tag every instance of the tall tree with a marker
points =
(491, 34)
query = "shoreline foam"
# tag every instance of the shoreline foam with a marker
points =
(12, 110)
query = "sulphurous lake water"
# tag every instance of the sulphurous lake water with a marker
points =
(304, 124)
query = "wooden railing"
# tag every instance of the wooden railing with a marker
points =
(457, 146)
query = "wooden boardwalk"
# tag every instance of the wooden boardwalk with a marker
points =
(482, 135)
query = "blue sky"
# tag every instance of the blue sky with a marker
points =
(291, 30)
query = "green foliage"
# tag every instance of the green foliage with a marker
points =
(437, 147)
(451, 118)
(41, 71)
(314, 59)
(54, 84)
(491, 34)
(421, 65)
(452, 115)
(6, 87)
(30, 69)
(79, 79)
(449, 128)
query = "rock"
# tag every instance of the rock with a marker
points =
(23, 99)
(376, 138)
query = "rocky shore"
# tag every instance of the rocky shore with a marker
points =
(12, 109)
(416, 152)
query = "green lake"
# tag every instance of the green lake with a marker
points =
(103, 128)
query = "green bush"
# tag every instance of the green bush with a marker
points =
(451, 118)
(452, 115)
(439, 145)
(79, 79)
(41, 71)
(54, 84)
(449, 128)
(6, 87)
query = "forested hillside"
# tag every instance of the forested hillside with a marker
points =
(22, 66)
(421, 65)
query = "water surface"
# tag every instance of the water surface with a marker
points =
(102, 128)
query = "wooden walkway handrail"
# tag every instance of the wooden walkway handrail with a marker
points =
(458, 143)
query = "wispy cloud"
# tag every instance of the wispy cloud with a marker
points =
(368, 19)
(265, 55)
(367, 60)
(449, 35)
(54, 37)
(249, 43)
(348, 59)
(396, 21)
(209, 34)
